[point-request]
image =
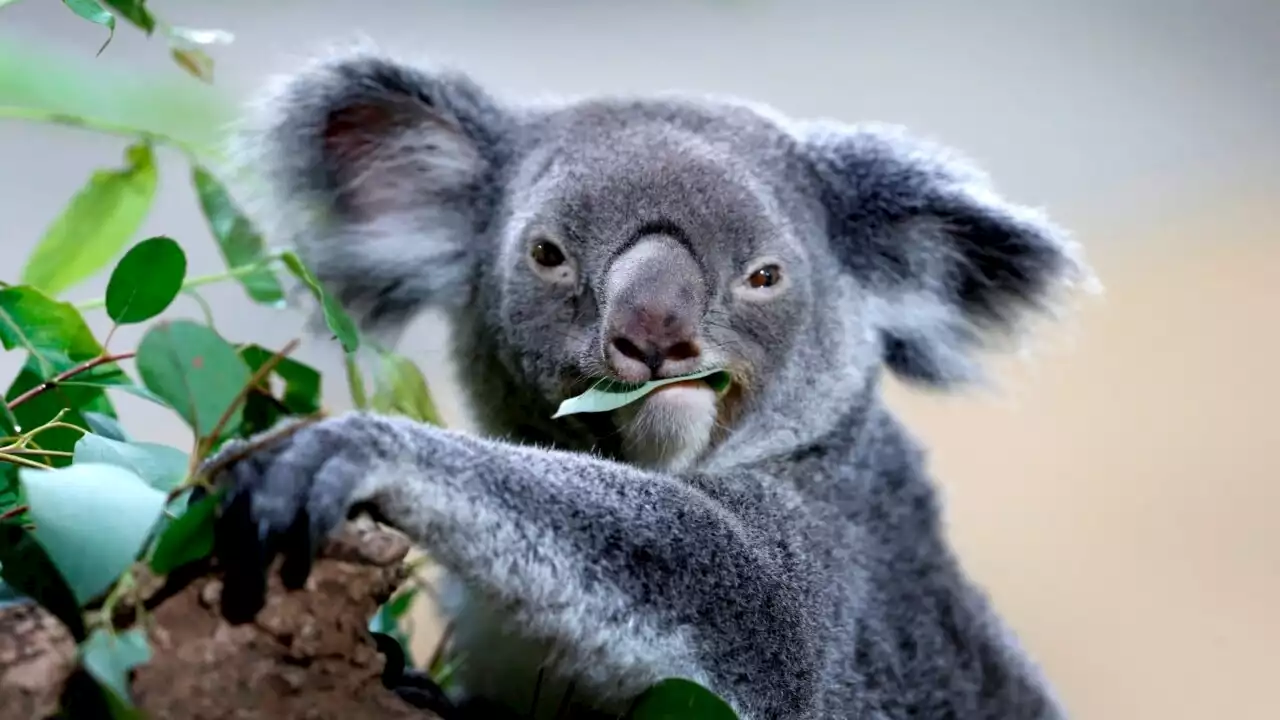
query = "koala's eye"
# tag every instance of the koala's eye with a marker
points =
(767, 276)
(547, 254)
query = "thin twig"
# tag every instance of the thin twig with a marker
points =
(16, 460)
(14, 512)
(51, 383)
(35, 451)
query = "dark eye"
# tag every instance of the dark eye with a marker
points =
(547, 254)
(767, 276)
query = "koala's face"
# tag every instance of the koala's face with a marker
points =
(640, 239)
(632, 249)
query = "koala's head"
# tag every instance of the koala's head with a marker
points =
(634, 239)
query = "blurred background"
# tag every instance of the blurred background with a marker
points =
(1116, 493)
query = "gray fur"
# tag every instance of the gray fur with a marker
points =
(788, 554)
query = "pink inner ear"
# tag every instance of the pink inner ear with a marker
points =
(351, 134)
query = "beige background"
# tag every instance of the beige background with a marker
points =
(1118, 493)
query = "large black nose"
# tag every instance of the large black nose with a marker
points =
(659, 338)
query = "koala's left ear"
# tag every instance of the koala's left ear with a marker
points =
(949, 266)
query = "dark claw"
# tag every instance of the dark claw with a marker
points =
(243, 554)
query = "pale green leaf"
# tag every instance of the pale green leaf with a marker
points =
(97, 224)
(400, 389)
(109, 658)
(92, 520)
(608, 395)
(161, 466)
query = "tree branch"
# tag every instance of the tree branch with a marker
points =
(52, 382)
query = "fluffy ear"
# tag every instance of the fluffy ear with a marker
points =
(380, 174)
(949, 266)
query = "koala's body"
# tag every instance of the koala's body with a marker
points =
(779, 542)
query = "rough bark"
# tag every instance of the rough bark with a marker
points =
(307, 655)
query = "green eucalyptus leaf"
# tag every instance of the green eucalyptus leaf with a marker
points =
(679, 699)
(105, 426)
(400, 389)
(334, 316)
(27, 568)
(239, 241)
(195, 371)
(608, 395)
(100, 220)
(161, 466)
(90, 10)
(146, 280)
(92, 519)
(301, 382)
(109, 658)
(48, 329)
(136, 12)
(187, 538)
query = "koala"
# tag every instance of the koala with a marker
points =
(779, 541)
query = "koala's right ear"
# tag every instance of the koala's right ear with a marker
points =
(381, 175)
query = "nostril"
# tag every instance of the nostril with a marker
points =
(629, 349)
(683, 351)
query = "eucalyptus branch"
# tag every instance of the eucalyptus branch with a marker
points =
(199, 280)
(10, 112)
(14, 512)
(21, 461)
(52, 382)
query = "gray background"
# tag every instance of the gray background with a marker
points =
(1117, 494)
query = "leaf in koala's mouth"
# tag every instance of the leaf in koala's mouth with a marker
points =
(610, 395)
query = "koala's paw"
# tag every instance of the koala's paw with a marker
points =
(285, 491)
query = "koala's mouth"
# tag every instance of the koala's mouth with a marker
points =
(607, 395)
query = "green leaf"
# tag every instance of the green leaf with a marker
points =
(105, 426)
(400, 389)
(161, 466)
(187, 538)
(93, 12)
(334, 316)
(100, 220)
(136, 12)
(48, 329)
(29, 570)
(301, 382)
(146, 280)
(240, 243)
(679, 699)
(198, 374)
(109, 658)
(92, 520)
(608, 395)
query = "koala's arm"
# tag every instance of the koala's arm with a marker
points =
(632, 575)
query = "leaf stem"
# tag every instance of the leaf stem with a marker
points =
(51, 383)
(355, 383)
(199, 280)
(13, 112)
(17, 460)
